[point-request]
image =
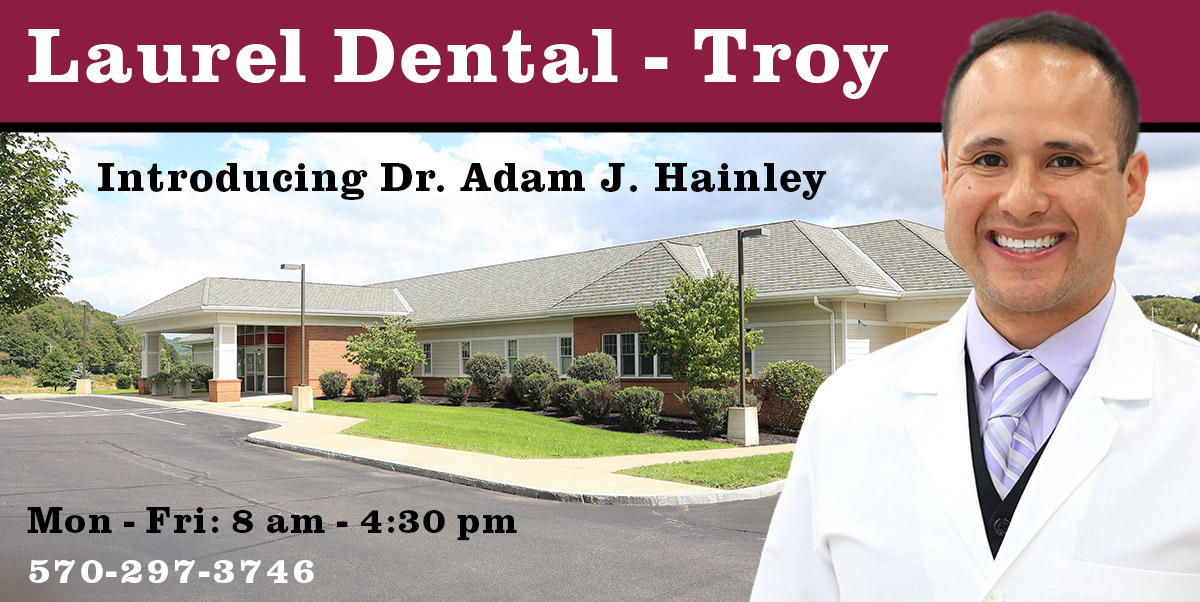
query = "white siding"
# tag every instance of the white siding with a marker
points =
(929, 311)
(546, 347)
(445, 359)
(808, 344)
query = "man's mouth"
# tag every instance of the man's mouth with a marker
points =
(1017, 245)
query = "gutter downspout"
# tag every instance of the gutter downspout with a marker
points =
(845, 333)
(832, 327)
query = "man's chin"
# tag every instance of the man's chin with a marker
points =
(1024, 298)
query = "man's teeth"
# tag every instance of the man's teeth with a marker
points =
(1026, 246)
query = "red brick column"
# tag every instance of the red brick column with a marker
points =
(143, 388)
(225, 390)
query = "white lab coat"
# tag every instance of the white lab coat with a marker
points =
(880, 504)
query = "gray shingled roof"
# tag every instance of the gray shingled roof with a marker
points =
(797, 256)
(913, 254)
(250, 295)
(894, 256)
(195, 339)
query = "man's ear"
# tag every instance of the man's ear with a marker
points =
(945, 174)
(1136, 171)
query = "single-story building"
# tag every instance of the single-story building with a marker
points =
(826, 296)
(201, 345)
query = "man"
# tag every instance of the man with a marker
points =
(1042, 444)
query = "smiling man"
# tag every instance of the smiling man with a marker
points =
(1040, 445)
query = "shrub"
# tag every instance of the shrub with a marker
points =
(409, 389)
(202, 373)
(526, 367)
(537, 390)
(12, 370)
(790, 385)
(333, 383)
(508, 387)
(594, 399)
(640, 407)
(124, 381)
(594, 366)
(562, 394)
(364, 386)
(709, 408)
(486, 370)
(457, 390)
(159, 383)
(182, 373)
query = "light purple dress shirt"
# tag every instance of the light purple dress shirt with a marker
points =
(1066, 354)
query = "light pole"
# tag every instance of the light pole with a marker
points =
(300, 396)
(84, 305)
(742, 235)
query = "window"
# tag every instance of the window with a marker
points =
(629, 351)
(427, 352)
(466, 355)
(512, 347)
(566, 353)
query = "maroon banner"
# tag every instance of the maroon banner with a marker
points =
(551, 62)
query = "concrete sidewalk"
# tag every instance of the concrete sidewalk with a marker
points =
(589, 480)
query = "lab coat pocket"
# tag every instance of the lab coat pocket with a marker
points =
(1075, 581)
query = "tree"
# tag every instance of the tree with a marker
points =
(33, 198)
(54, 370)
(391, 349)
(696, 327)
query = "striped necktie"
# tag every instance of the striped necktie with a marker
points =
(1007, 438)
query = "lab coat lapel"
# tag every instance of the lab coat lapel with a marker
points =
(1121, 370)
(937, 426)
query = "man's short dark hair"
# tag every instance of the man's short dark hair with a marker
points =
(1067, 32)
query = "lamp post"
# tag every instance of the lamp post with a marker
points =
(742, 235)
(302, 393)
(84, 386)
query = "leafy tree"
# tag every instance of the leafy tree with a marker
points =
(1173, 312)
(696, 326)
(391, 349)
(54, 370)
(33, 199)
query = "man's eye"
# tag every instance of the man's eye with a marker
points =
(990, 161)
(1064, 162)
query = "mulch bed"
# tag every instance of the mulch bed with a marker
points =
(668, 426)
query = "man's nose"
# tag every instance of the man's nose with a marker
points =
(1025, 194)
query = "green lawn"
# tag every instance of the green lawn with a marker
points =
(729, 473)
(497, 431)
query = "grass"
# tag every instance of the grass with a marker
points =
(497, 431)
(728, 473)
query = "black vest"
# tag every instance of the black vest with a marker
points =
(997, 513)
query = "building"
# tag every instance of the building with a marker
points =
(825, 296)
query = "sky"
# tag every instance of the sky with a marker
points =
(128, 249)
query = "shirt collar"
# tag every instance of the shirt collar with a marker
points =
(1066, 354)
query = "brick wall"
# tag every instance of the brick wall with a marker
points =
(326, 344)
(224, 390)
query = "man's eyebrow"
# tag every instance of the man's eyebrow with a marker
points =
(1071, 146)
(982, 143)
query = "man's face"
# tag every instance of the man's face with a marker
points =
(1036, 201)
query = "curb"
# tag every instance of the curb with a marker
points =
(606, 499)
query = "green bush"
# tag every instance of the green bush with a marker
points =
(486, 370)
(333, 383)
(594, 400)
(594, 366)
(202, 373)
(790, 386)
(562, 394)
(159, 383)
(640, 408)
(12, 370)
(457, 390)
(526, 367)
(364, 386)
(709, 408)
(537, 390)
(409, 389)
(183, 373)
(124, 381)
(508, 388)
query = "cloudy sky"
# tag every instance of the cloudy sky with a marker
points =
(130, 248)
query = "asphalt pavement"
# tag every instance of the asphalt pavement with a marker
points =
(108, 459)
